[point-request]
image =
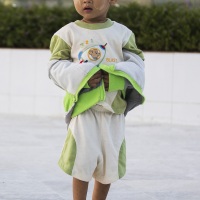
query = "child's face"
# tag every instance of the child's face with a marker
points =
(93, 11)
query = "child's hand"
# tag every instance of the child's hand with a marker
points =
(106, 80)
(94, 81)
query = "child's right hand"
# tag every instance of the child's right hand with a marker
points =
(95, 80)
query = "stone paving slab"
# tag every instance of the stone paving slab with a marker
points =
(163, 161)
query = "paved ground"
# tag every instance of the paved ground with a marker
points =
(163, 162)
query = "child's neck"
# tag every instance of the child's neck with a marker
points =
(94, 22)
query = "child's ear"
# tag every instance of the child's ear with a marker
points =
(112, 2)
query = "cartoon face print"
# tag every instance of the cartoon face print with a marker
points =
(94, 54)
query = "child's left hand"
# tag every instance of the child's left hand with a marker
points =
(105, 80)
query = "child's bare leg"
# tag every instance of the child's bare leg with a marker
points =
(100, 191)
(80, 189)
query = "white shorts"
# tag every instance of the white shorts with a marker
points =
(95, 146)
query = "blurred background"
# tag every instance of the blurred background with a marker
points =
(28, 3)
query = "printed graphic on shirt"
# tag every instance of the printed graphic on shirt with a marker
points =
(93, 53)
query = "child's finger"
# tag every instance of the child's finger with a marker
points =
(97, 75)
(94, 82)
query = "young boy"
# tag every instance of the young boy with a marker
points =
(96, 61)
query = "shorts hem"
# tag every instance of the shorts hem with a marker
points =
(103, 181)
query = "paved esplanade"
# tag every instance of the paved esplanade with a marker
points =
(163, 162)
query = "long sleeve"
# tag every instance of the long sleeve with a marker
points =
(65, 73)
(133, 65)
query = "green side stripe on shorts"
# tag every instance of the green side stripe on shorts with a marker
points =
(68, 155)
(122, 160)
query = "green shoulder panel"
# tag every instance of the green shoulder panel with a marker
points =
(132, 47)
(60, 50)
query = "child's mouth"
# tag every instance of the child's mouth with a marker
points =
(87, 9)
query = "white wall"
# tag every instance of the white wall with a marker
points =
(24, 84)
(171, 89)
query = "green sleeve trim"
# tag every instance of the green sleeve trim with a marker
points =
(60, 50)
(132, 47)
(111, 69)
(116, 83)
(69, 101)
(86, 85)
(91, 98)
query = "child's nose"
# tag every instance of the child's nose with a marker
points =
(87, 1)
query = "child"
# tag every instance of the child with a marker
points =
(96, 61)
